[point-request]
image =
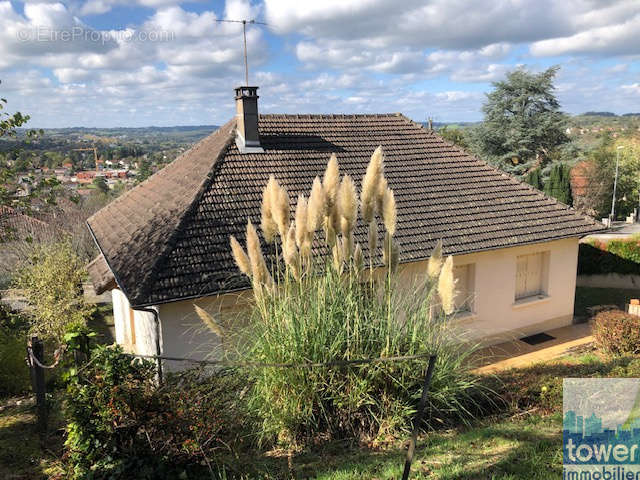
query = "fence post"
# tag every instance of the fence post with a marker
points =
(36, 349)
(418, 418)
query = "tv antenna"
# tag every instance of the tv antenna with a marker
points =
(244, 37)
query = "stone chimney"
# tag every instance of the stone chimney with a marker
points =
(247, 135)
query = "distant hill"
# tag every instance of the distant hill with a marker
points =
(599, 114)
(608, 114)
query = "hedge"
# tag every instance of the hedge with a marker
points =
(616, 256)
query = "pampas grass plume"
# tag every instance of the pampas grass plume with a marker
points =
(280, 209)
(259, 271)
(435, 261)
(370, 184)
(240, 257)
(268, 225)
(301, 220)
(209, 321)
(317, 206)
(389, 213)
(446, 286)
(347, 205)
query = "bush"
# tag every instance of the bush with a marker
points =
(617, 333)
(325, 308)
(616, 256)
(52, 282)
(121, 425)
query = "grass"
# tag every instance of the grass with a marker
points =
(589, 297)
(22, 454)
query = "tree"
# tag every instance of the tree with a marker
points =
(51, 281)
(558, 185)
(523, 123)
(8, 125)
(101, 184)
(455, 135)
(533, 178)
(144, 171)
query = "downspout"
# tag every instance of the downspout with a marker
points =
(156, 320)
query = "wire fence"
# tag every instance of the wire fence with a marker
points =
(35, 361)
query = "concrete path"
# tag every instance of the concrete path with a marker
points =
(516, 353)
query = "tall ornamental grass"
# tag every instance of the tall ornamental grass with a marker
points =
(323, 301)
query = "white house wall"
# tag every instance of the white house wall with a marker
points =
(186, 336)
(496, 315)
(139, 337)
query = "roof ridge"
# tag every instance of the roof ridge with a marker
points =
(327, 115)
(146, 284)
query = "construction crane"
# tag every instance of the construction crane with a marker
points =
(244, 36)
(95, 154)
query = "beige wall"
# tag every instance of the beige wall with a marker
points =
(184, 334)
(135, 330)
(496, 315)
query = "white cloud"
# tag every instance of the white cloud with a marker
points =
(621, 38)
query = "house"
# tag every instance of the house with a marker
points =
(165, 243)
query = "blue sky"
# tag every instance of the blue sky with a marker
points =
(168, 62)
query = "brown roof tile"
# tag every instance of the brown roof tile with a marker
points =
(168, 238)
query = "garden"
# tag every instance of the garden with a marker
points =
(320, 385)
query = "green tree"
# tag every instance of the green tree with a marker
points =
(533, 178)
(144, 171)
(101, 184)
(558, 185)
(51, 280)
(523, 123)
(455, 135)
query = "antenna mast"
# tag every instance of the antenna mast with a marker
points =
(244, 37)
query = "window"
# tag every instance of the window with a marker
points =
(531, 275)
(464, 276)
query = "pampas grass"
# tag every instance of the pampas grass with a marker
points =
(240, 257)
(435, 261)
(301, 220)
(370, 184)
(317, 206)
(446, 286)
(280, 208)
(347, 202)
(209, 321)
(389, 213)
(329, 313)
(259, 272)
(267, 224)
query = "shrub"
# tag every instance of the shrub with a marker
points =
(121, 425)
(52, 282)
(616, 256)
(329, 306)
(617, 333)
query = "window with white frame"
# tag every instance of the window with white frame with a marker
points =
(531, 275)
(464, 276)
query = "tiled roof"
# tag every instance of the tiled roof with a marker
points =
(16, 226)
(168, 239)
(100, 275)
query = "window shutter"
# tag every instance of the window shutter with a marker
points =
(529, 275)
